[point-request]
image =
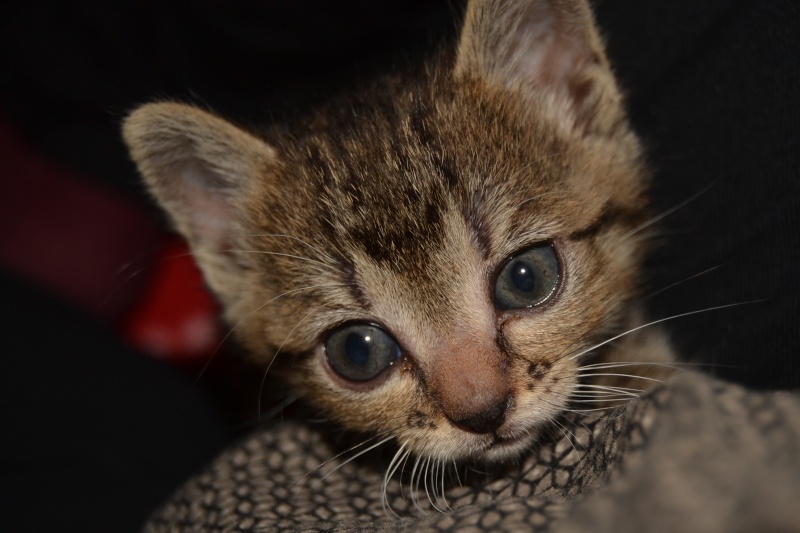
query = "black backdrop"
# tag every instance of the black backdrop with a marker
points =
(713, 91)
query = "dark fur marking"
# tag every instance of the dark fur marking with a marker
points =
(611, 214)
(418, 419)
(356, 291)
(476, 225)
(419, 126)
(504, 346)
(447, 172)
(366, 238)
(417, 122)
(400, 238)
(433, 214)
(534, 371)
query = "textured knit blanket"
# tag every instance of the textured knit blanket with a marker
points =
(692, 455)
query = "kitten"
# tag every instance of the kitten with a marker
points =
(441, 257)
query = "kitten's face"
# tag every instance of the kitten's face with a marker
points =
(429, 260)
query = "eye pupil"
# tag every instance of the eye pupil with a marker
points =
(357, 348)
(522, 276)
(360, 351)
(527, 279)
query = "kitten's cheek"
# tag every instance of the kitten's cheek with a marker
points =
(524, 334)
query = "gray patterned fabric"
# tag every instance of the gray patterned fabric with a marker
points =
(693, 455)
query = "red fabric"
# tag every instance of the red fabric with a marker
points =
(86, 243)
(176, 316)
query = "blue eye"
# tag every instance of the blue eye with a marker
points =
(360, 352)
(528, 278)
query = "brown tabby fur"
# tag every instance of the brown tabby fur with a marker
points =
(398, 205)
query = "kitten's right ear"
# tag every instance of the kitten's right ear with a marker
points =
(541, 47)
(199, 167)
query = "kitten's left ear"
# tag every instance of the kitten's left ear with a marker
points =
(542, 44)
(202, 170)
(199, 167)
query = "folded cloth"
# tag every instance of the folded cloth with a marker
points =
(694, 454)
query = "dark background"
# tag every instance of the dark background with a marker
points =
(96, 433)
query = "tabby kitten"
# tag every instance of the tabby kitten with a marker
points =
(442, 257)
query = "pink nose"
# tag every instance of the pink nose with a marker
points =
(470, 382)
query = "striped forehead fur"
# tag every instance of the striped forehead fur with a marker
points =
(377, 172)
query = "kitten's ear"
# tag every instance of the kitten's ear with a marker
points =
(542, 44)
(199, 167)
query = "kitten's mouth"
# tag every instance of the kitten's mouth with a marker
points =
(505, 442)
(505, 447)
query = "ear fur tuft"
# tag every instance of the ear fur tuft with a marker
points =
(198, 166)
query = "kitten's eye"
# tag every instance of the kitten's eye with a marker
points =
(359, 352)
(527, 279)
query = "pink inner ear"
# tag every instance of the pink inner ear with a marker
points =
(528, 54)
(546, 51)
(564, 60)
(543, 45)
(206, 208)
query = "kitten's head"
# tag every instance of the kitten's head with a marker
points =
(425, 259)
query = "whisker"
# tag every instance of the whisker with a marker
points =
(269, 415)
(399, 455)
(443, 472)
(139, 259)
(414, 485)
(602, 374)
(425, 480)
(281, 235)
(605, 387)
(590, 394)
(248, 315)
(570, 436)
(264, 377)
(654, 322)
(680, 282)
(668, 212)
(434, 468)
(455, 469)
(359, 454)
(281, 254)
(624, 309)
(609, 399)
(402, 470)
(583, 411)
(322, 464)
(621, 390)
(623, 364)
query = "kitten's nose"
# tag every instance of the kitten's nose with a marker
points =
(485, 422)
(469, 381)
